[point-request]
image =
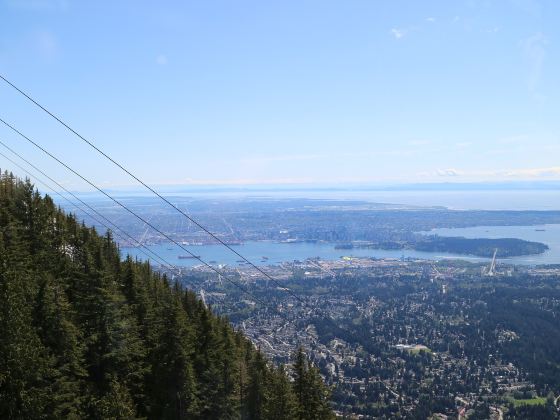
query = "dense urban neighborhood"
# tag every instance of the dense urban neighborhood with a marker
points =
(410, 339)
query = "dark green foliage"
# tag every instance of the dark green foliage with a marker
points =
(281, 402)
(482, 247)
(524, 412)
(311, 393)
(86, 335)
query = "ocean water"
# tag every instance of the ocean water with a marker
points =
(280, 252)
(286, 252)
(463, 200)
(471, 200)
(547, 234)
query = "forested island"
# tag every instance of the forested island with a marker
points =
(84, 334)
(480, 247)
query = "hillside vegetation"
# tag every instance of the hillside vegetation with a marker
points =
(481, 247)
(86, 335)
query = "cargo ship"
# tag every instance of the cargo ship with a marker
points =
(188, 257)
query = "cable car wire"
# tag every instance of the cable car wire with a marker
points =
(190, 218)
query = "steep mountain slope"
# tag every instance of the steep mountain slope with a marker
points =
(86, 335)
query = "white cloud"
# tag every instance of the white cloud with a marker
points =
(551, 172)
(161, 59)
(448, 172)
(398, 33)
(548, 173)
(430, 19)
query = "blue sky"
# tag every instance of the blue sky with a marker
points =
(275, 92)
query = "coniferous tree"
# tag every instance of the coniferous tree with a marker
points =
(228, 395)
(25, 369)
(86, 335)
(280, 402)
(173, 381)
(312, 395)
(256, 389)
(57, 331)
(300, 378)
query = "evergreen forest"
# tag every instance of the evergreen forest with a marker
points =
(86, 334)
